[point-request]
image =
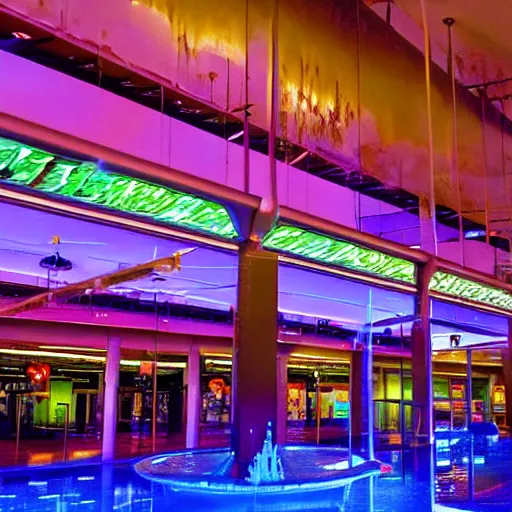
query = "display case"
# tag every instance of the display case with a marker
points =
(499, 405)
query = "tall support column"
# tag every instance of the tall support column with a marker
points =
(254, 353)
(282, 398)
(111, 385)
(193, 397)
(422, 353)
(507, 375)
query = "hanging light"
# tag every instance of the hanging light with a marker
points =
(55, 262)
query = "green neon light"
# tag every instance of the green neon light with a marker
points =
(85, 182)
(324, 249)
(455, 286)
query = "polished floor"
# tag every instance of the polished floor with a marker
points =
(51, 450)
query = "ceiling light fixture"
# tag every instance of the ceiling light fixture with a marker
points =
(235, 136)
(21, 35)
(55, 262)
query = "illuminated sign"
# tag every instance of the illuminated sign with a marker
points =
(86, 182)
(452, 285)
(331, 251)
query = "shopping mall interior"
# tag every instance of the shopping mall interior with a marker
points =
(55, 354)
(232, 269)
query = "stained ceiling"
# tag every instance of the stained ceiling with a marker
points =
(481, 39)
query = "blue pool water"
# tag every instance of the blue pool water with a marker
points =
(407, 488)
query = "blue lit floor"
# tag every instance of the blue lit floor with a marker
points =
(407, 488)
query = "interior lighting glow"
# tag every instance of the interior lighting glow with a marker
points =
(331, 251)
(160, 364)
(317, 358)
(85, 182)
(88, 370)
(452, 285)
(219, 362)
(44, 353)
(78, 349)
(21, 35)
(235, 136)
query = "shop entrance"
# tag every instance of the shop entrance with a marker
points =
(468, 387)
(318, 400)
(395, 417)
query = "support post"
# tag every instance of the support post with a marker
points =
(110, 387)
(422, 354)
(282, 398)
(361, 386)
(254, 353)
(193, 397)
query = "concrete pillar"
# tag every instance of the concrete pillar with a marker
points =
(282, 398)
(193, 397)
(422, 354)
(254, 353)
(111, 385)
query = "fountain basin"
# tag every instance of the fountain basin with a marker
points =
(306, 469)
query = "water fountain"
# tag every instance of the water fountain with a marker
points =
(277, 473)
(267, 465)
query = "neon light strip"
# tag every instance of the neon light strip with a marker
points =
(465, 290)
(340, 253)
(85, 182)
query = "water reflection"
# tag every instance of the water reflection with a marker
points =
(96, 488)
(473, 472)
(409, 486)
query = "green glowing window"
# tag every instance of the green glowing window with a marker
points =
(455, 286)
(84, 181)
(331, 251)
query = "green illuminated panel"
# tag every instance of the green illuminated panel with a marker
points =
(331, 251)
(85, 182)
(455, 286)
